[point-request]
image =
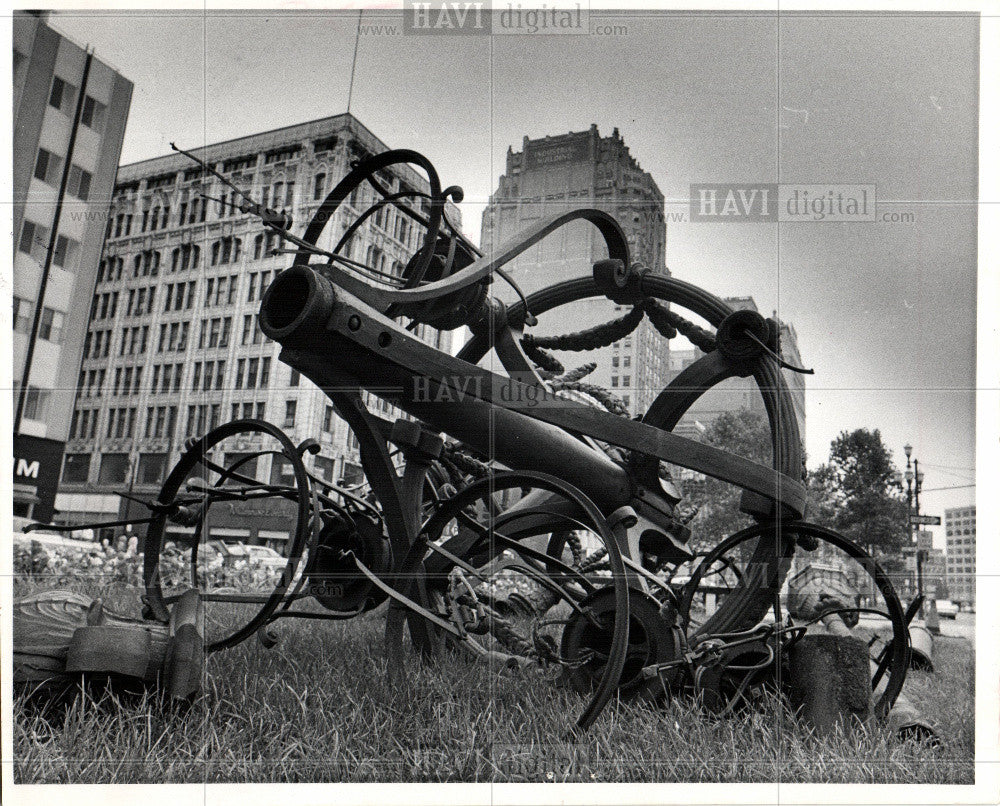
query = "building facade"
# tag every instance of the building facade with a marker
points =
(960, 554)
(173, 347)
(565, 172)
(69, 112)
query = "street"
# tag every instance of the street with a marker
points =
(963, 626)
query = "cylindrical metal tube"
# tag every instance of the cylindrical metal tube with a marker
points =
(294, 313)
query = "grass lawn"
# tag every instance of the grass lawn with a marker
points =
(319, 707)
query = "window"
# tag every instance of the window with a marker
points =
(328, 419)
(323, 467)
(76, 468)
(627, 361)
(614, 381)
(246, 463)
(36, 404)
(47, 167)
(290, 406)
(293, 379)
(62, 96)
(114, 468)
(151, 468)
(319, 185)
(79, 182)
(34, 240)
(66, 253)
(627, 381)
(92, 115)
(23, 311)
(51, 325)
(282, 473)
(614, 361)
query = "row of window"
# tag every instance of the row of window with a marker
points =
(214, 376)
(48, 169)
(626, 381)
(252, 373)
(167, 378)
(34, 241)
(127, 381)
(63, 97)
(221, 290)
(178, 296)
(140, 301)
(50, 326)
(121, 423)
(36, 403)
(152, 467)
(218, 290)
(172, 336)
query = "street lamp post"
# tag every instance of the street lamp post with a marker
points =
(914, 481)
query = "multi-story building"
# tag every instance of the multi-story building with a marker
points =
(960, 554)
(564, 172)
(69, 111)
(173, 347)
(737, 393)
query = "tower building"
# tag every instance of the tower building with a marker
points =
(70, 110)
(565, 172)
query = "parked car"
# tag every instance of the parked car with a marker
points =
(254, 555)
(946, 608)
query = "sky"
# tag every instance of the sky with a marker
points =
(884, 312)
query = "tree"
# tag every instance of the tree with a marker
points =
(744, 433)
(865, 497)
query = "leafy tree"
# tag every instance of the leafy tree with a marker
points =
(865, 497)
(745, 433)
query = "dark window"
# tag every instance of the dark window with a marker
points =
(243, 463)
(47, 167)
(92, 115)
(51, 325)
(79, 182)
(76, 467)
(290, 406)
(151, 468)
(323, 467)
(62, 96)
(114, 468)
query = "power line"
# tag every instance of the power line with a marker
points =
(935, 489)
(354, 61)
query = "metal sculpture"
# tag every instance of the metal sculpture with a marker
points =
(523, 464)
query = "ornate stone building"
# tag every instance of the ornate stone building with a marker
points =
(173, 347)
(583, 169)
